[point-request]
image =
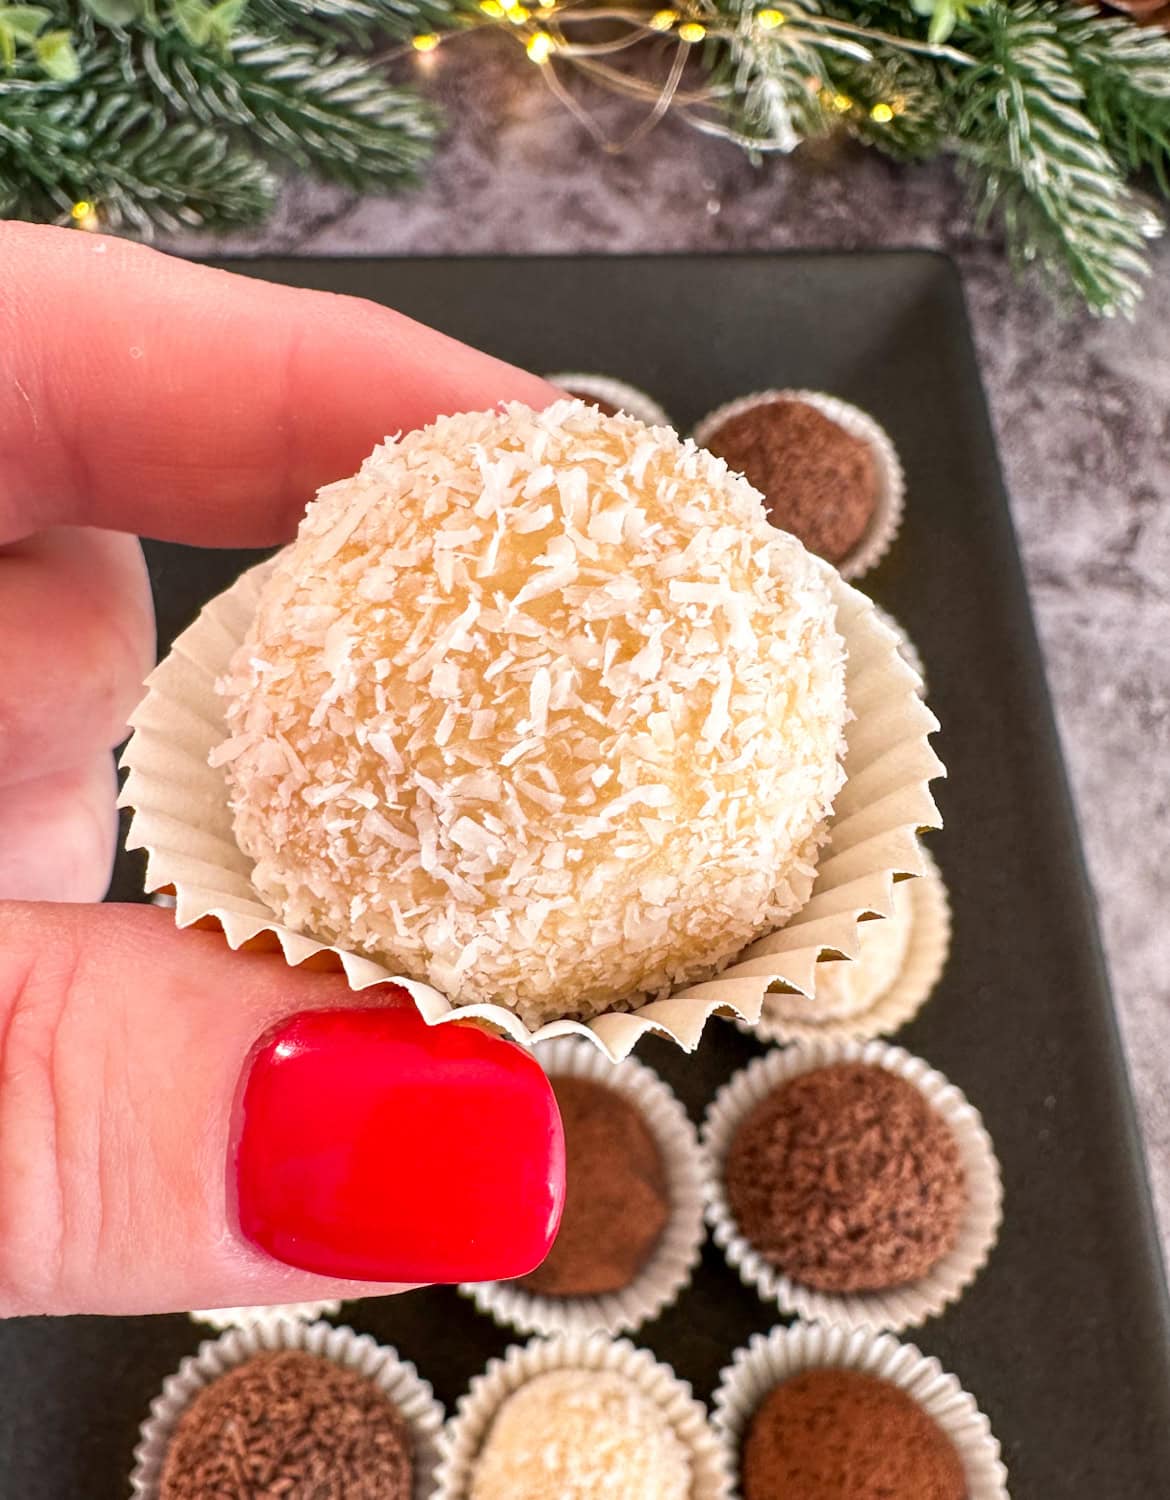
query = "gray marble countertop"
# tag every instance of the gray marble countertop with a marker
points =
(1082, 410)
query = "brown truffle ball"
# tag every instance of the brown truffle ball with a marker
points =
(841, 1435)
(818, 481)
(616, 1200)
(293, 1424)
(847, 1180)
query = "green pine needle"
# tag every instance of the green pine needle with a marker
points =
(1040, 164)
(326, 112)
(1125, 73)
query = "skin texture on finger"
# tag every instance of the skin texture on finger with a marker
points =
(200, 406)
(123, 1046)
(76, 643)
(58, 833)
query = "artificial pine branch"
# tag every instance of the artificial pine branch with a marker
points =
(773, 80)
(918, 126)
(1039, 163)
(359, 21)
(158, 130)
(1125, 73)
(98, 140)
(300, 98)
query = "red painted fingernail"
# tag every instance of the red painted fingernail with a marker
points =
(373, 1147)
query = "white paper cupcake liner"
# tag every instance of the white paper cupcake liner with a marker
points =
(908, 651)
(674, 1258)
(254, 1317)
(770, 1359)
(627, 398)
(182, 820)
(411, 1395)
(897, 1307)
(891, 483)
(922, 967)
(464, 1435)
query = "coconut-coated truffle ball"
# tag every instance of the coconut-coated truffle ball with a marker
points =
(538, 708)
(580, 1435)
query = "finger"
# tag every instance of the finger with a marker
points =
(187, 403)
(58, 833)
(160, 1152)
(76, 641)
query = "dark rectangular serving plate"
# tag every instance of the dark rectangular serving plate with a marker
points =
(1065, 1337)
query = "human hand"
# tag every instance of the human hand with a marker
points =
(180, 1125)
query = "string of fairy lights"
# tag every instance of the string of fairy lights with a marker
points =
(549, 35)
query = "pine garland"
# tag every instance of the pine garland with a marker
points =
(1124, 71)
(155, 113)
(1041, 164)
(766, 77)
(161, 131)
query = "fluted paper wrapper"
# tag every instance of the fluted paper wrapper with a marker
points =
(627, 398)
(256, 1317)
(398, 1378)
(891, 483)
(182, 820)
(464, 1435)
(768, 1360)
(673, 1259)
(909, 651)
(896, 1307)
(922, 966)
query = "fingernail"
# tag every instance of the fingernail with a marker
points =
(373, 1147)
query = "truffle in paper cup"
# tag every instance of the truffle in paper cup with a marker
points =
(615, 393)
(898, 1307)
(891, 485)
(397, 1378)
(252, 1317)
(465, 1433)
(673, 1259)
(183, 821)
(795, 1018)
(769, 1360)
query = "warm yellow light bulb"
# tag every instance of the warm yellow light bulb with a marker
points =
(540, 47)
(426, 41)
(768, 20)
(882, 113)
(83, 214)
(842, 103)
(516, 14)
(663, 20)
(491, 8)
(691, 31)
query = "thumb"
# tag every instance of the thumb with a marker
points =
(184, 1126)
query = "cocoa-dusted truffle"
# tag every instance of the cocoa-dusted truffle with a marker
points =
(847, 1180)
(842, 1435)
(616, 1199)
(537, 708)
(818, 481)
(288, 1423)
